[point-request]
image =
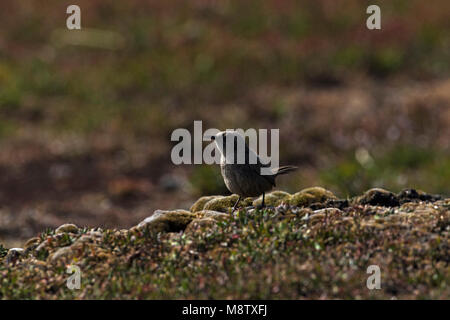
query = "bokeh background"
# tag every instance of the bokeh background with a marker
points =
(86, 116)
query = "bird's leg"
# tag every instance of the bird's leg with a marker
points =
(262, 204)
(236, 204)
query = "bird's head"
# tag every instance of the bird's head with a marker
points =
(230, 139)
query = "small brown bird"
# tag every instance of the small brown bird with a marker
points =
(244, 179)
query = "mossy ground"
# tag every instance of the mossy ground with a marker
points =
(85, 126)
(283, 252)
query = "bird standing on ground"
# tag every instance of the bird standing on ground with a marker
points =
(245, 179)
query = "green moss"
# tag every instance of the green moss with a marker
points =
(222, 204)
(309, 196)
(167, 221)
(225, 204)
(200, 203)
(272, 199)
(246, 202)
(219, 203)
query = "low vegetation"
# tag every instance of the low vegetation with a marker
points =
(318, 249)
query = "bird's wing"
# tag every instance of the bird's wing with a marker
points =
(257, 169)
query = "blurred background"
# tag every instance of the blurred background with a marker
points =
(86, 116)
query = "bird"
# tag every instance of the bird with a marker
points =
(244, 179)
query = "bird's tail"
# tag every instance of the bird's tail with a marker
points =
(285, 169)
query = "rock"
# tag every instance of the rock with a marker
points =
(95, 234)
(200, 224)
(32, 243)
(309, 196)
(67, 228)
(410, 195)
(323, 215)
(303, 212)
(317, 217)
(329, 211)
(167, 221)
(86, 238)
(14, 254)
(339, 204)
(378, 197)
(200, 203)
(42, 246)
(38, 265)
(63, 252)
(272, 199)
(370, 225)
(216, 215)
